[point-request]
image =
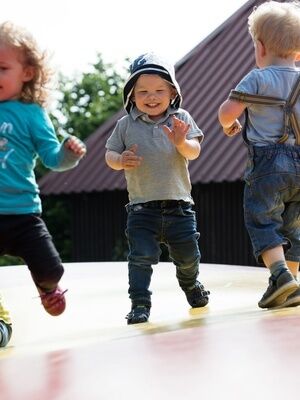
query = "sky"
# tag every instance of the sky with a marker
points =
(75, 31)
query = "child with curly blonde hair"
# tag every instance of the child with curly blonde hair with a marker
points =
(26, 133)
(270, 96)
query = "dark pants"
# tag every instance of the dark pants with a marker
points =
(27, 237)
(150, 224)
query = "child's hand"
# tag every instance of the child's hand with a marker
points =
(177, 134)
(234, 129)
(75, 145)
(129, 159)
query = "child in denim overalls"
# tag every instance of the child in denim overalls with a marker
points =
(269, 95)
(153, 144)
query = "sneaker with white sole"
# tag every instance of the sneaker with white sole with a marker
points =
(279, 290)
(293, 300)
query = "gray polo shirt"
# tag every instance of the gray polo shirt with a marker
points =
(163, 173)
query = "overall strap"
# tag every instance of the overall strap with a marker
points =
(256, 99)
(290, 119)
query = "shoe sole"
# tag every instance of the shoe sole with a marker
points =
(293, 302)
(200, 305)
(279, 296)
(136, 322)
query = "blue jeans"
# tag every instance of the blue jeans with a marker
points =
(147, 227)
(272, 199)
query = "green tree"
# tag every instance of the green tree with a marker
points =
(83, 104)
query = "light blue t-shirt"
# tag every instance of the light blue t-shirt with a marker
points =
(26, 133)
(265, 123)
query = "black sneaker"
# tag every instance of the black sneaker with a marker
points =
(5, 333)
(278, 290)
(138, 314)
(197, 296)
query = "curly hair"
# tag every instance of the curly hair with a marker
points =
(277, 26)
(35, 90)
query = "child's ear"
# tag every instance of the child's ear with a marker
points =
(260, 48)
(297, 58)
(28, 73)
(173, 94)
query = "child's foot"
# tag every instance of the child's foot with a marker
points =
(5, 333)
(293, 300)
(197, 296)
(138, 314)
(279, 290)
(53, 301)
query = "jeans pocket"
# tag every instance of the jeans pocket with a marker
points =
(187, 211)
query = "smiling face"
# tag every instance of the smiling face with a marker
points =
(152, 95)
(13, 74)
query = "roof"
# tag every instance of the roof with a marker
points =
(206, 75)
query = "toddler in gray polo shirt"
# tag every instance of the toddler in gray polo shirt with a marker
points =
(153, 144)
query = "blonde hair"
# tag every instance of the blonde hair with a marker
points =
(16, 37)
(277, 26)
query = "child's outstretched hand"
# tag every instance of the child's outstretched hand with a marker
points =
(177, 134)
(129, 159)
(234, 129)
(75, 145)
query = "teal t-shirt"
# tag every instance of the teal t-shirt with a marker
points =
(26, 132)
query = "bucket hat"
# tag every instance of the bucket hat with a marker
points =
(150, 63)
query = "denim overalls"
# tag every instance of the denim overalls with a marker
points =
(272, 189)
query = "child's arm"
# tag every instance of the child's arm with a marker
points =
(126, 160)
(229, 112)
(188, 148)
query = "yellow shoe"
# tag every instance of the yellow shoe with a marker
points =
(4, 313)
